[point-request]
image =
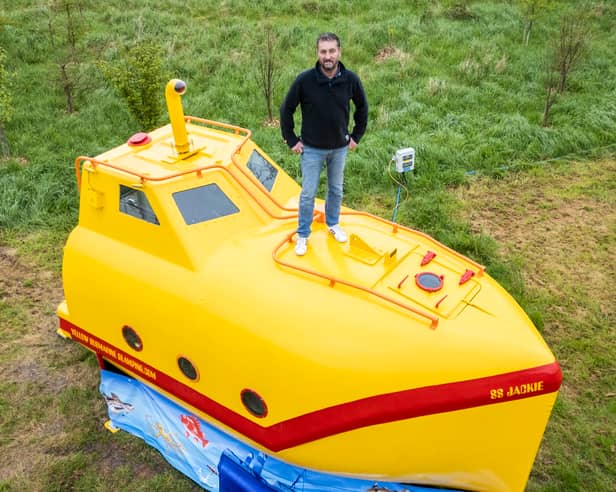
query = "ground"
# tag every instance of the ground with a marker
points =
(561, 224)
(558, 223)
(35, 366)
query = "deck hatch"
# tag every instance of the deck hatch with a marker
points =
(437, 289)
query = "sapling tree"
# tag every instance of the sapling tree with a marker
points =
(550, 93)
(564, 52)
(531, 9)
(64, 36)
(571, 44)
(267, 69)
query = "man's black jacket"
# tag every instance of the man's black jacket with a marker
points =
(325, 109)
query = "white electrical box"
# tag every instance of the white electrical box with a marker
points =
(404, 159)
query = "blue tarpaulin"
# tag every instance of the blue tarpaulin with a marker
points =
(214, 459)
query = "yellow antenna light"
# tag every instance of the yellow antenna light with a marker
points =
(174, 89)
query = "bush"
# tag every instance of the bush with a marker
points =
(139, 79)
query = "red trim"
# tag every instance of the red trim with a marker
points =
(428, 257)
(466, 276)
(373, 410)
(402, 281)
(438, 303)
(427, 288)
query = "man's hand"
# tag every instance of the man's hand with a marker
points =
(298, 148)
(352, 144)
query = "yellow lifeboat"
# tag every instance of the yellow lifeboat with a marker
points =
(390, 357)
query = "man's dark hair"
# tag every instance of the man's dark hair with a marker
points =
(328, 36)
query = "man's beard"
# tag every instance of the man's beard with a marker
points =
(329, 66)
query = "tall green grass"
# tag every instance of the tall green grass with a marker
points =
(466, 93)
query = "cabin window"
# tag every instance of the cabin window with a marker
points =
(204, 203)
(263, 170)
(135, 203)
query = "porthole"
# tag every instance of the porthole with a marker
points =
(254, 403)
(188, 368)
(131, 338)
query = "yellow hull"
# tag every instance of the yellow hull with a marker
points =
(389, 357)
(484, 448)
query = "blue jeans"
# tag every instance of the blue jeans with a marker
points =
(312, 161)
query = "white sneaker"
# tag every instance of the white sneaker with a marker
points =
(338, 233)
(301, 245)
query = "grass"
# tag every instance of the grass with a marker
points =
(558, 223)
(465, 92)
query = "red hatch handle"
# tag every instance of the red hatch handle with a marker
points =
(466, 276)
(429, 256)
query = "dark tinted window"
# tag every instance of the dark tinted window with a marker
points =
(131, 338)
(254, 403)
(134, 202)
(187, 368)
(204, 203)
(263, 170)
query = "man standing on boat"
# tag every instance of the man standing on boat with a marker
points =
(323, 93)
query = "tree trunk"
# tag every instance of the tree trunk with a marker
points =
(67, 85)
(549, 100)
(562, 79)
(4, 144)
(527, 29)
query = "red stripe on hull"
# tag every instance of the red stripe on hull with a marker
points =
(333, 420)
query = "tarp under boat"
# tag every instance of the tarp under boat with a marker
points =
(212, 458)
